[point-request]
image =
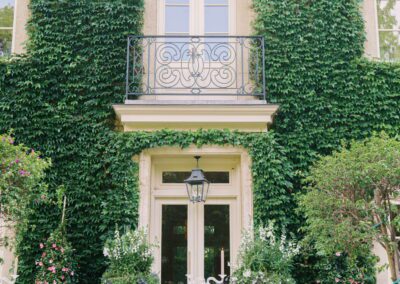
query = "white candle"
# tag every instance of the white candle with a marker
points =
(222, 262)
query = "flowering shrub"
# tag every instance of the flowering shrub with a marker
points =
(130, 258)
(21, 174)
(56, 263)
(264, 258)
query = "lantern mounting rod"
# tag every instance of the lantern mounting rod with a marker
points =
(197, 160)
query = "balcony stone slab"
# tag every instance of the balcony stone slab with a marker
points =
(152, 115)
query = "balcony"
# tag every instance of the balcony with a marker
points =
(195, 66)
(192, 82)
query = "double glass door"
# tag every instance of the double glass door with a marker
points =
(195, 240)
(196, 17)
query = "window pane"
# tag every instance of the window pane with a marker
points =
(216, 239)
(177, 1)
(5, 42)
(6, 14)
(4, 3)
(173, 49)
(389, 14)
(224, 2)
(174, 244)
(177, 19)
(390, 45)
(216, 19)
(179, 177)
(219, 49)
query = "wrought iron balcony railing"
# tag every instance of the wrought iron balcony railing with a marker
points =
(195, 65)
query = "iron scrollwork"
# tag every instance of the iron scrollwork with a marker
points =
(194, 65)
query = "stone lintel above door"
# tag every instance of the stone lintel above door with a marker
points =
(148, 115)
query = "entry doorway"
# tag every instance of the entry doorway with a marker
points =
(195, 241)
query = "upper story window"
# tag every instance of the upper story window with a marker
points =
(197, 17)
(6, 26)
(389, 29)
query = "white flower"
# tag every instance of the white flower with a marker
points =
(106, 252)
(247, 273)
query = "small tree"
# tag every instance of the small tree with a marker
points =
(350, 201)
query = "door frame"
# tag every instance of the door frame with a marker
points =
(149, 194)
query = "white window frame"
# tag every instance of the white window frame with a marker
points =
(12, 29)
(379, 30)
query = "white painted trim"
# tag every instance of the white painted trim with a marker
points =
(14, 28)
(248, 118)
(377, 28)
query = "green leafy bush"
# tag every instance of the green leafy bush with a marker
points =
(130, 257)
(56, 263)
(340, 268)
(265, 258)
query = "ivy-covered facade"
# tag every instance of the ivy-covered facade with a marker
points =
(58, 97)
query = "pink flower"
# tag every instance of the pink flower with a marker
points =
(50, 261)
(72, 273)
(65, 269)
(24, 173)
(43, 254)
(338, 253)
(62, 277)
(337, 280)
(40, 263)
(62, 250)
(52, 269)
(54, 245)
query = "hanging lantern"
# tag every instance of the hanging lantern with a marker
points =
(197, 185)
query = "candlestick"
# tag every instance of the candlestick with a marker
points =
(222, 262)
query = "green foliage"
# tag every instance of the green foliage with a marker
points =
(264, 258)
(130, 258)
(56, 263)
(339, 268)
(350, 192)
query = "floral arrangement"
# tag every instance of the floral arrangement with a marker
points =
(130, 258)
(265, 258)
(56, 264)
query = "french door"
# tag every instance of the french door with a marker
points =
(197, 241)
(196, 17)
